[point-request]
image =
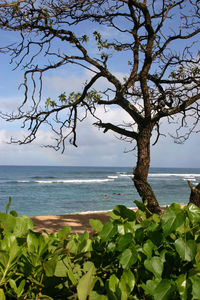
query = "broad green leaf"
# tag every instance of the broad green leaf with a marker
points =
(44, 243)
(4, 258)
(173, 218)
(108, 231)
(124, 212)
(17, 290)
(123, 291)
(60, 269)
(154, 265)
(96, 225)
(124, 241)
(23, 225)
(72, 245)
(164, 290)
(113, 283)
(14, 250)
(20, 288)
(186, 249)
(95, 296)
(32, 241)
(2, 295)
(156, 218)
(181, 283)
(7, 222)
(156, 236)
(121, 229)
(197, 257)
(195, 287)
(129, 227)
(11, 250)
(140, 215)
(128, 258)
(113, 216)
(84, 246)
(64, 232)
(13, 285)
(72, 277)
(193, 213)
(85, 284)
(139, 235)
(142, 207)
(50, 266)
(150, 286)
(87, 265)
(126, 284)
(148, 248)
(7, 241)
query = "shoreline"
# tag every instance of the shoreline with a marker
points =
(79, 222)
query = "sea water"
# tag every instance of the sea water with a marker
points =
(42, 190)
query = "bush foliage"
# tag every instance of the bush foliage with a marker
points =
(136, 255)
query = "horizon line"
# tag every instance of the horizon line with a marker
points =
(94, 166)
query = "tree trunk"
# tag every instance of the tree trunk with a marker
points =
(195, 194)
(142, 169)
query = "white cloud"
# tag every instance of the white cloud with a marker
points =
(68, 83)
(3, 137)
(9, 104)
(95, 147)
(167, 153)
(64, 81)
(115, 115)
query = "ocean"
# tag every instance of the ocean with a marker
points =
(42, 190)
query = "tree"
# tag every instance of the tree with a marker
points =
(194, 194)
(158, 38)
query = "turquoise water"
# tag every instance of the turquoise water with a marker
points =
(41, 190)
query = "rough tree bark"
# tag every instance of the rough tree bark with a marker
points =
(142, 170)
(195, 194)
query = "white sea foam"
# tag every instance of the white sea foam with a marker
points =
(173, 175)
(23, 181)
(113, 177)
(73, 181)
(126, 175)
(191, 179)
(97, 211)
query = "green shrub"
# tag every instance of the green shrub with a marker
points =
(135, 255)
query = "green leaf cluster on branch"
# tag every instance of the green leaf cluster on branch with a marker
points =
(136, 255)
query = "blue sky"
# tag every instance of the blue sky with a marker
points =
(94, 147)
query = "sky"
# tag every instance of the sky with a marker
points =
(94, 147)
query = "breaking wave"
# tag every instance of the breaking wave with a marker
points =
(73, 181)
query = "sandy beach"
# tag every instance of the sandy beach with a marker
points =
(78, 222)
